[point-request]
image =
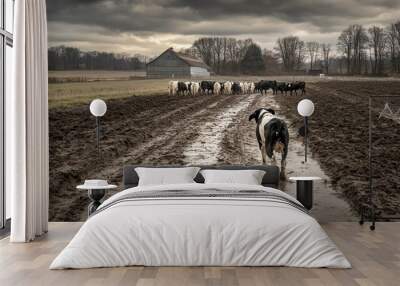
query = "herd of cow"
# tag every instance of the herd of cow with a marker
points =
(229, 87)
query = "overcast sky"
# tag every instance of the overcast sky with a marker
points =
(149, 27)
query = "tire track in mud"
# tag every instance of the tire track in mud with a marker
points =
(240, 147)
(239, 144)
(167, 146)
(207, 148)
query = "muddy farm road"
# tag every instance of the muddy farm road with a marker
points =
(183, 130)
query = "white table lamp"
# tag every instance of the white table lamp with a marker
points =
(305, 109)
(98, 108)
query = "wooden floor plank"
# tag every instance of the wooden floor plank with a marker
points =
(375, 257)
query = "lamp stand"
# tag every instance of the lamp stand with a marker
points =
(305, 138)
(98, 136)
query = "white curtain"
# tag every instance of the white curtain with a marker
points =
(27, 124)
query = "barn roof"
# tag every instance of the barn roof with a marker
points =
(194, 62)
(191, 61)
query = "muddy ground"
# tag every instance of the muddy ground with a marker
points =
(339, 139)
(145, 129)
(215, 130)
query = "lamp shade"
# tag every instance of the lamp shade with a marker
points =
(305, 107)
(98, 107)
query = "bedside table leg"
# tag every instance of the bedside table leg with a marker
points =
(95, 196)
(304, 193)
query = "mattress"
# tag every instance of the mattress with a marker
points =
(201, 225)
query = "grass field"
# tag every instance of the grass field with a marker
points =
(78, 93)
(92, 75)
(70, 91)
(121, 84)
(114, 85)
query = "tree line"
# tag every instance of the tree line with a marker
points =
(69, 58)
(226, 55)
(289, 56)
(374, 50)
(359, 50)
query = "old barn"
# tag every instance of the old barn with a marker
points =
(171, 64)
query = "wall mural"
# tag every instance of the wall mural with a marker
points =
(383, 164)
(177, 94)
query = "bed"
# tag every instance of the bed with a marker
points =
(198, 224)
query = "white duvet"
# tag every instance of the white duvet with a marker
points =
(200, 231)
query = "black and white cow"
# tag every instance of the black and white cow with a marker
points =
(272, 136)
(222, 87)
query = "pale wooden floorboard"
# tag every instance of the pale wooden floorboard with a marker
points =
(375, 257)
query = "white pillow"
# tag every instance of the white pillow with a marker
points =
(166, 176)
(247, 177)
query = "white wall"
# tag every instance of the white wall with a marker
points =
(199, 72)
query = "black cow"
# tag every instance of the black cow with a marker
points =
(182, 88)
(236, 89)
(264, 85)
(300, 85)
(282, 87)
(207, 86)
(295, 86)
(222, 84)
(257, 86)
(189, 87)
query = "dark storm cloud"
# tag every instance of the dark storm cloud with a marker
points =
(165, 15)
(261, 18)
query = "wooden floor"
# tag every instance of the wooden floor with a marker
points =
(375, 257)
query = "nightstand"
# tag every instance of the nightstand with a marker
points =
(304, 190)
(96, 192)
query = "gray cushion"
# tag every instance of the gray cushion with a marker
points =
(270, 179)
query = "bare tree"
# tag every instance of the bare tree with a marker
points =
(360, 39)
(352, 43)
(233, 55)
(217, 52)
(393, 41)
(224, 55)
(291, 52)
(191, 52)
(313, 52)
(345, 46)
(243, 46)
(392, 45)
(377, 42)
(271, 62)
(300, 55)
(326, 50)
(397, 37)
(204, 48)
(224, 51)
